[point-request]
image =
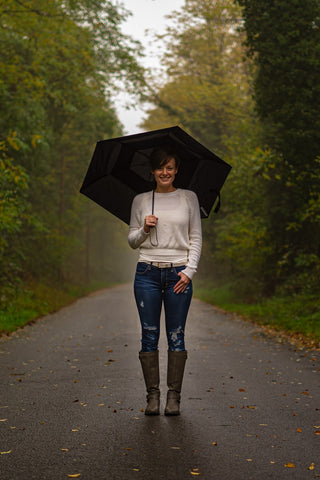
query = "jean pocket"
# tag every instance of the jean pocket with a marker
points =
(142, 268)
(179, 269)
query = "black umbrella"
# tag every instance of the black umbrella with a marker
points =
(120, 169)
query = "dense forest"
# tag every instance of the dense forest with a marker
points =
(248, 86)
(243, 77)
(59, 62)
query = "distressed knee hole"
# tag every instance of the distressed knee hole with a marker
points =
(151, 328)
(177, 337)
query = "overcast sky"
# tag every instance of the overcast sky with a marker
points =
(148, 15)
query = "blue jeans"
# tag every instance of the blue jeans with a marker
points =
(152, 286)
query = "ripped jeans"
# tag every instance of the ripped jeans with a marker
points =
(152, 286)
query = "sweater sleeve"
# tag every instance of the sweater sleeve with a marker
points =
(136, 234)
(195, 235)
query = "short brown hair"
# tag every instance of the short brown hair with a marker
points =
(161, 155)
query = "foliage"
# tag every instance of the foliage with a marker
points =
(40, 299)
(59, 62)
(266, 238)
(294, 315)
(283, 38)
(208, 92)
(207, 87)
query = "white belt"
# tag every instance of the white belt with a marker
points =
(165, 264)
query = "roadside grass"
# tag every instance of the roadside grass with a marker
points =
(296, 314)
(37, 300)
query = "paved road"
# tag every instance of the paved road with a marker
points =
(72, 392)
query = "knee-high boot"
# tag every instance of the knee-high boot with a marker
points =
(176, 364)
(150, 368)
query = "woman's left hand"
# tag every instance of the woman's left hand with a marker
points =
(182, 284)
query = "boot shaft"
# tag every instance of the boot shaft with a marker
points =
(150, 368)
(176, 364)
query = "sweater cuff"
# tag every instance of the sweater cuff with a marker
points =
(189, 272)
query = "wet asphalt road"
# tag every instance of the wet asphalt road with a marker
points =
(72, 393)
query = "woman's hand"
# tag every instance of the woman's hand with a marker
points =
(182, 284)
(149, 221)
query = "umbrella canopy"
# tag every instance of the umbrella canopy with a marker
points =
(120, 169)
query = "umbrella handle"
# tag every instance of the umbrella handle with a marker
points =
(155, 228)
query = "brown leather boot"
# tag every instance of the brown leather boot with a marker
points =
(150, 368)
(176, 363)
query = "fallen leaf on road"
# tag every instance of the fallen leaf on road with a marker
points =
(5, 453)
(75, 430)
(290, 465)
(64, 449)
(175, 448)
(249, 459)
(3, 419)
(195, 471)
(317, 432)
(304, 393)
(299, 430)
(76, 475)
(136, 469)
(215, 443)
(252, 407)
(311, 466)
(241, 390)
(316, 426)
(231, 406)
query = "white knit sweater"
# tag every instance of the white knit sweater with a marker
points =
(178, 230)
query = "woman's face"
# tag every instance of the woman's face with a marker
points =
(165, 175)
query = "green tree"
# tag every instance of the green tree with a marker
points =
(283, 39)
(59, 62)
(208, 92)
(207, 87)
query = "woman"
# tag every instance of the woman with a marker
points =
(170, 247)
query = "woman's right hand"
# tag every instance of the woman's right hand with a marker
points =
(149, 221)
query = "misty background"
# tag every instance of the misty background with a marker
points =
(242, 77)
